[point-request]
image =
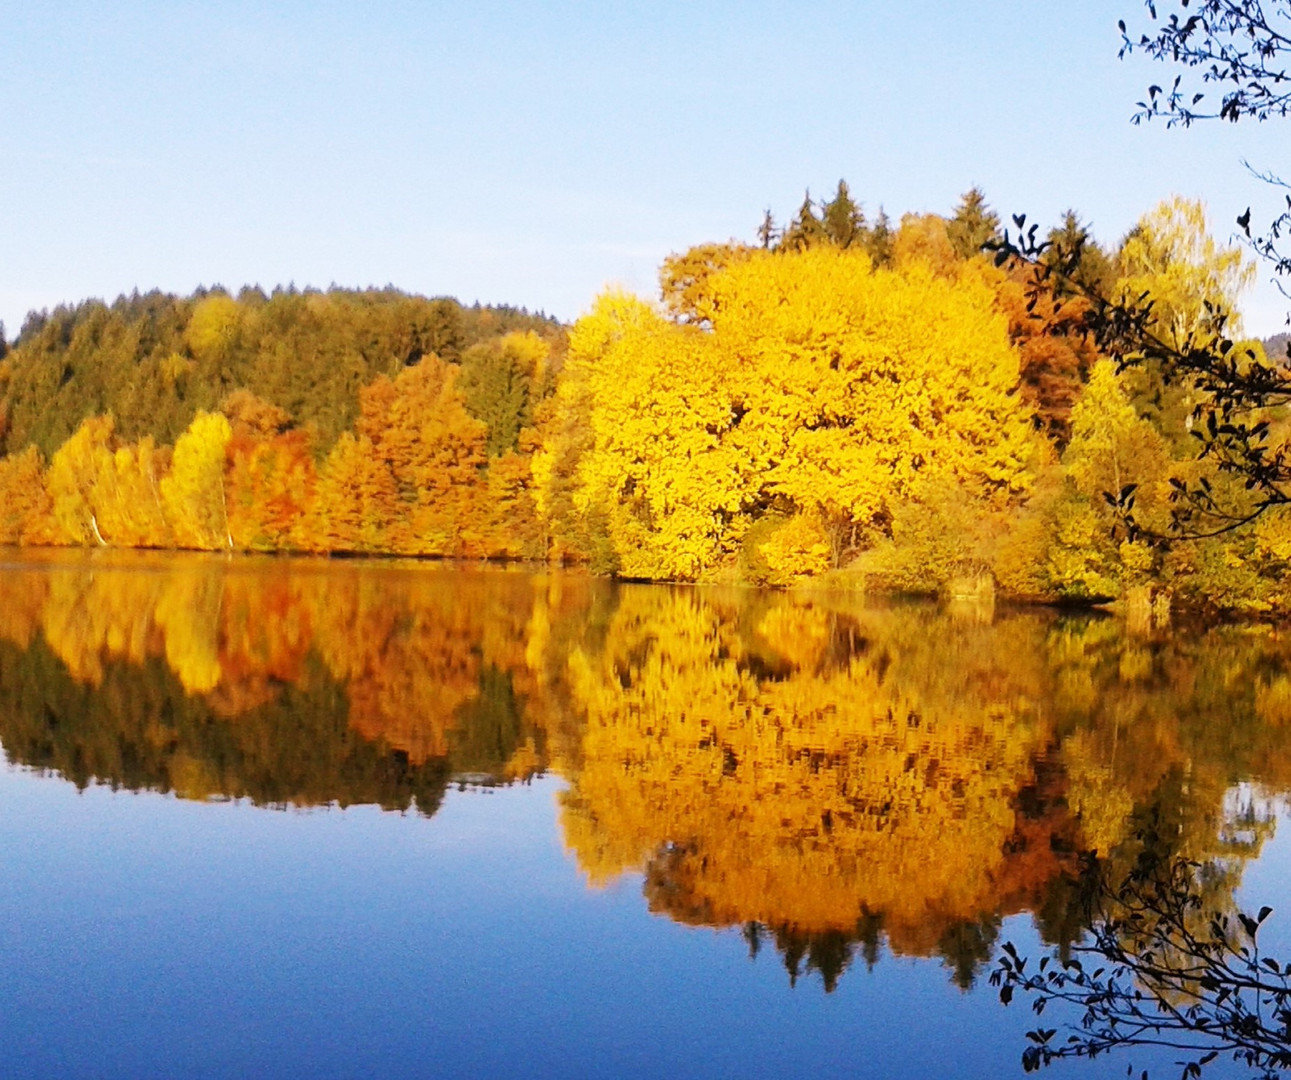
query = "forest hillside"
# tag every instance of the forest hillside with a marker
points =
(846, 399)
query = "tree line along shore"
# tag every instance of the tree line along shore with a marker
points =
(847, 400)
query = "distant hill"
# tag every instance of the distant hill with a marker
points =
(1275, 348)
(153, 360)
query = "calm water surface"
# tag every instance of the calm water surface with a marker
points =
(272, 818)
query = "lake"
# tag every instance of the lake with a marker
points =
(378, 819)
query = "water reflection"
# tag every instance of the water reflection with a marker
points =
(1167, 961)
(826, 775)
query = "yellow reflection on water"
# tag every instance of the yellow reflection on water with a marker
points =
(802, 764)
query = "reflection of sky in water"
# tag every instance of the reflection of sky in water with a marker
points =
(1265, 880)
(730, 755)
(142, 935)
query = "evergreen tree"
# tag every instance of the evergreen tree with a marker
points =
(1094, 269)
(155, 360)
(805, 230)
(843, 221)
(878, 240)
(496, 382)
(973, 224)
(768, 233)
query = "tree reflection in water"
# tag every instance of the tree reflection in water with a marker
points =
(834, 779)
(1166, 961)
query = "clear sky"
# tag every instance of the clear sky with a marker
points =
(531, 153)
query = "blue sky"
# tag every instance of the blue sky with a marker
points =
(533, 153)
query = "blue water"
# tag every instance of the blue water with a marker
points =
(145, 936)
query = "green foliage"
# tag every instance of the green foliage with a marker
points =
(155, 360)
(1222, 574)
(295, 749)
(842, 219)
(806, 229)
(1094, 268)
(878, 240)
(972, 225)
(1082, 563)
(500, 381)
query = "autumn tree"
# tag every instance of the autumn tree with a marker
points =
(1171, 266)
(127, 495)
(1056, 352)
(513, 527)
(684, 279)
(1111, 445)
(212, 326)
(74, 474)
(563, 430)
(270, 486)
(195, 494)
(1111, 450)
(925, 238)
(26, 507)
(270, 476)
(1171, 261)
(650, 470)
(824, 389)
(357, 501)
(420, 431)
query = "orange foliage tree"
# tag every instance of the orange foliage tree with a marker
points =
(270, 477)
(418, 459)
(26, 508)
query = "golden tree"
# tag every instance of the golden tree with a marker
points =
(194, 494)
(822, 390)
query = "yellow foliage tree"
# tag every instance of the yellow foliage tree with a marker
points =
(356, 499)
(127, 495)
(1111, 446)
(26, 508)
(925, 238)
(194, 493)
(213, 323)
(823, 387)
(74, 473)
(658, 473)
(684, 279)
(1171, 259)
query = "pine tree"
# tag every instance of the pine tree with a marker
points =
(973, 224)
(805, 231)
(878, 240)
(1094, 269)
(843, 221)
(768, 233)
